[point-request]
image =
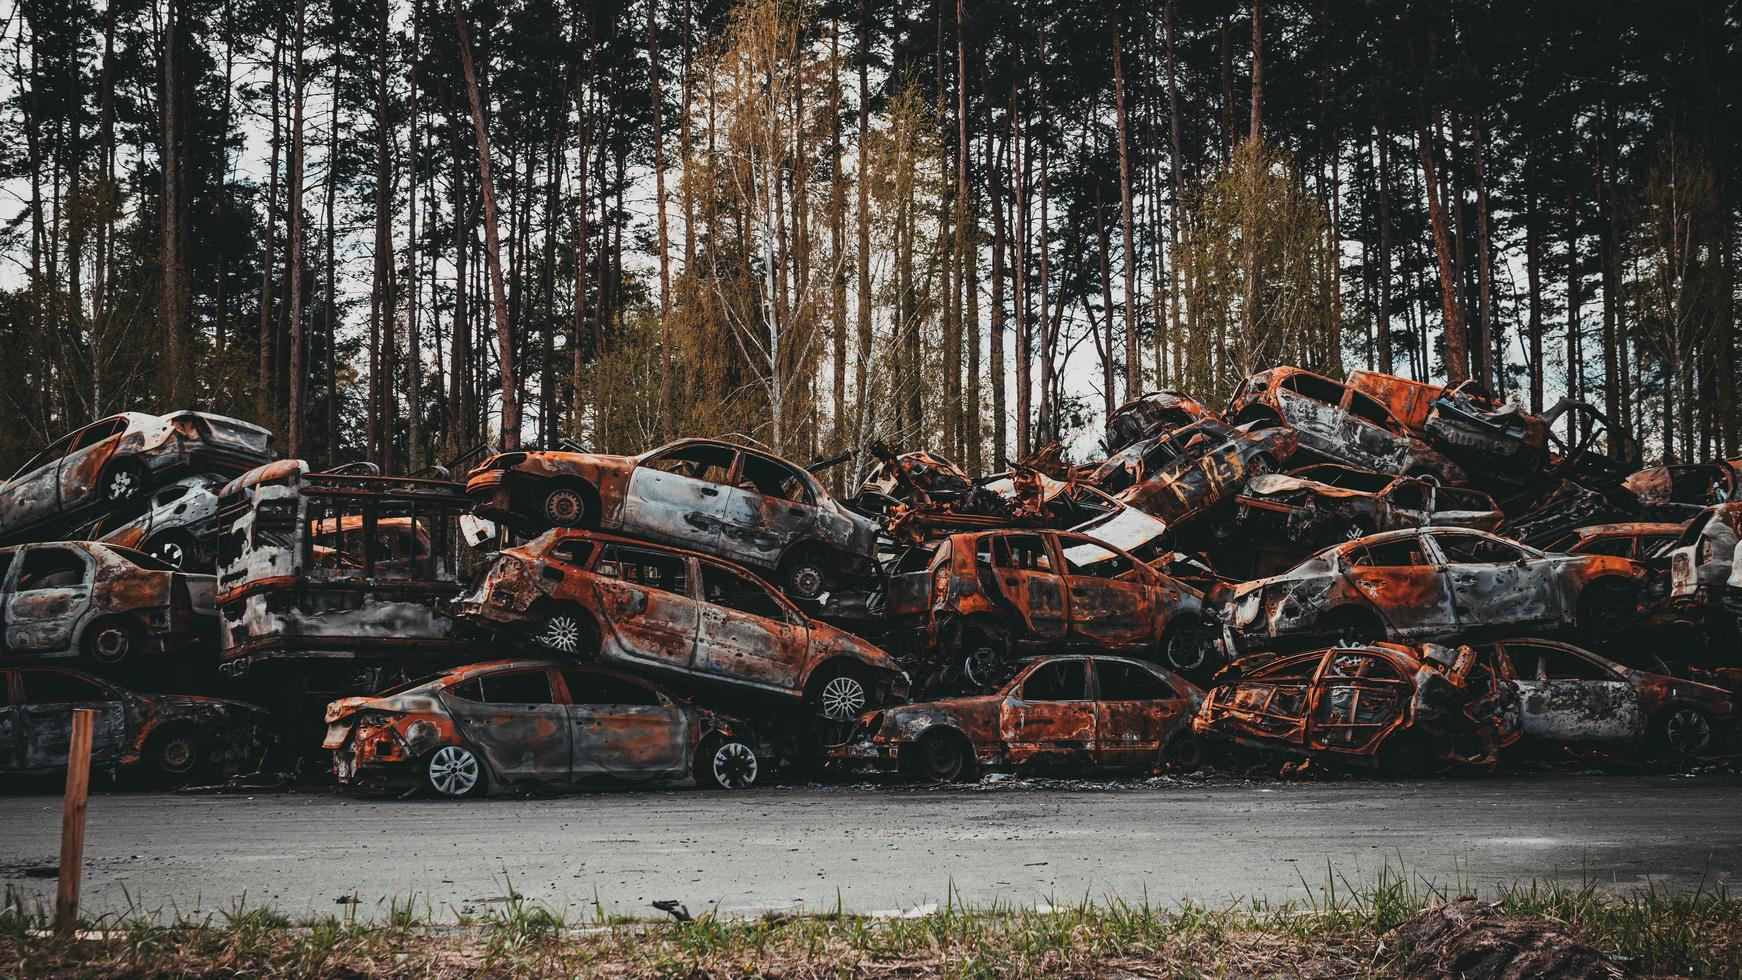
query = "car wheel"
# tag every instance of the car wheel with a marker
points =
(174, 757)
(172, 547)
(727, 762)
(566, 633)
(984, 664)
(1606, 608)
(123, 483)
(841, 696)
(1183, 753)
(1184, 649)
(110, 642)
(941, 757)
(1683, 731)
(565, 507)
(454, 772)
(805, 577)
(1404, 756)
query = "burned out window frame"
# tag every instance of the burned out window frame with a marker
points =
(34, 551)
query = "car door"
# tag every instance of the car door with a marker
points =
(33, 493)
(82, 469)
(1570, 697)
(1135, 709)
(1270, 703)
(50, 595)
(770, 507)
(678, 495)
(648, 604)
(1404, 583)
(622, 727)
(1047, 715)
(514, 719)
(747, 632)
(47, 701)
(1372, 434)
(1115, 600)
(1406, 503)
(1028, 585)
(1495, 582)
(1310, 406)
(1457, 507)
(1357, 700)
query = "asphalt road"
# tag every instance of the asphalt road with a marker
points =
(874, 849)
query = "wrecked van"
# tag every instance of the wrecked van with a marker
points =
(103, 603)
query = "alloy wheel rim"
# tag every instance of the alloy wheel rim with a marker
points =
(564, 507)
(807, 580)
(981, 665)
(1688, 731)
(110, 645)
(171, 552)
(120, 485)
(941, 760)
(1184, 652)
(843, 698)
(735, 765)
(562, 633)
(453, 771)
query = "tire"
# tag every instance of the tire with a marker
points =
(985, 659)
(839, 694)
(1261, 465)
(566, 505)
(1185, 650)
(568, 633)
(454, 772)
(1352, 624)
(174, 757)
(122, 484)
(726, 762)
(1183, 753)
(1606, 607)
(1682, 731)
(804, 576)
(111, 642)
(176, 547)
(1403, 756)
(942, 757)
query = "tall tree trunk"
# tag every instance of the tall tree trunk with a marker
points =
(331, 298)
(175, 278)
(264, 382)
(294, 404)
(1533, 272)
(995, 342)
(1383, 337)
(1489, 367)
(1133, 362)
(414, 458)
(1456, 354)
(863, 300)
(1257, 70)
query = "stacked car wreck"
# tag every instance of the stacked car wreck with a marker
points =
(1372, 572)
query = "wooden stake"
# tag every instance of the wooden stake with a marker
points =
(72, 826)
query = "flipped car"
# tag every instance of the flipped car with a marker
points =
(104, 603)
(1180, 474)
(1405, 710)
(1682, 491)
(469, 730)
(1320, 504)
(111, 463)
(1461, 420)
(179, 525)
(966, 606)
(1145, 414)
(740, 504)
(1074, 712)
(168, 738)
(1434, 583)
(1335, 423)
(692, 618)
(1573, 697)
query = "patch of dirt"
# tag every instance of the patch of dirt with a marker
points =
(1473, 940)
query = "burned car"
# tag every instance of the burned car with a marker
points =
(1335, 423)
(1405, 710)
(508, 723)
(1637, 540)
(1702, 566)
(1080, 713)
(178, 526)
(169, 739)
(1574, 698)
(113, 462)
(104, 603)
(1182, 473)
(1464, 421)
(1680, 492)
(1321, 504)
(695, 619)
(743, 505)
(963, 608)
(1153, 411)
(1434, 583)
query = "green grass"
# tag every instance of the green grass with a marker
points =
(1338, 928)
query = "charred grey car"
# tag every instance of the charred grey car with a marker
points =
(1702, 568)
(104, 603)
(169, 738)
(179, 524)
(1318, 505)
(1154, 411)
(747, 506)
(1180, 474)
(1681, 492)
(114, 462)
(1435, 584)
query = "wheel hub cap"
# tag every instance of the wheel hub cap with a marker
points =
(562, 634)
(735, 765)
(843, 698)
(1688, 731)
(453, 771)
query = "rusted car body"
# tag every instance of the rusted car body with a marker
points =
(1153, 411)
(112, 462)
(179, 524)
(507, 723)
(103, 603)
(1079, 713)
(1680, 492)
(339, 578)
(1573, 697)
(1435, 584)
(1318, 505)
(1462, 421)
(1702, 567)
(1180, 474)
(1406, 710)
(1338, 424)
(718, 498)
(1639, 540)
(170, 737)
(693, 619)
(1564, 510)
(963, 609)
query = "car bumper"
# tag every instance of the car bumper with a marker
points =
(867, 754)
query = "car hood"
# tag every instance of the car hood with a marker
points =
(1271, 483)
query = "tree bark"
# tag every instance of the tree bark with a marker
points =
(1133, 363)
